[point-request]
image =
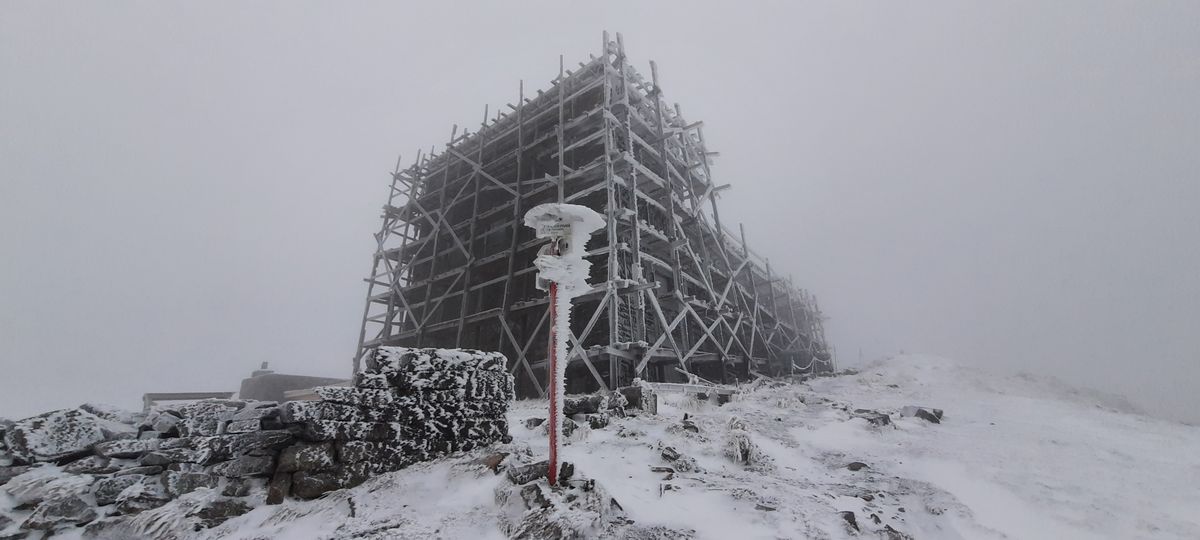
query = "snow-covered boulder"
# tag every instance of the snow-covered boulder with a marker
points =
(60, 512)
(207, 417)
(107, 490)
(875, 418)
(164, 421)
(215, 511)
(92, 465)
(46, 482)
(640, 396)
(10, 472)
(244, 466)
(586, 404)
(141, 496)
(182, 519)
(523, 474)
(170, 456)
(227, 446)
(310, 485)
(575, 508)
(127, 448)
(928, 414)
(179, 483)
(112, 413)
(679, 461)
(307, 457)
(61, 435)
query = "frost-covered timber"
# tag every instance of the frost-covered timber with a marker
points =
(675, 292)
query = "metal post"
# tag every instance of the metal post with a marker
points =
(554, 383)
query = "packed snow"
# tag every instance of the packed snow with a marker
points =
(1012, 457)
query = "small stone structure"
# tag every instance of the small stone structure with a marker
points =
(407, 405)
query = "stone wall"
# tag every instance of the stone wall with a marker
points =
(100, 467)
(407, 405)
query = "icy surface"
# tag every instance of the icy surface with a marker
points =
(1014, 457)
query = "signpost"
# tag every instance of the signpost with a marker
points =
(555, 418)
(562, 271)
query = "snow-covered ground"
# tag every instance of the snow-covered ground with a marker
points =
(1014, 457)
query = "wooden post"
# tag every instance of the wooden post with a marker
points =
(466, 286)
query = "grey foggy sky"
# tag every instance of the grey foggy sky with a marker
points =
(187, 190)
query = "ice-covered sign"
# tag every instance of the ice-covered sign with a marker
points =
(568, 226)
(553, 229)
(553, 220)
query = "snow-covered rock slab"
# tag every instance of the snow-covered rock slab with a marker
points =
(127, 448)
(61, 434)
(931, 415)
(58, 512)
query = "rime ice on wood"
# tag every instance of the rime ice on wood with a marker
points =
(681, 290)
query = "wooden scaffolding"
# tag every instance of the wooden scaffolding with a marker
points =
(676, 294)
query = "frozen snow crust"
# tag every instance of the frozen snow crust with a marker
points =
(1010, 457)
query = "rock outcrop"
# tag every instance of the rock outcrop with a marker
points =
(929, 414)
(110, 470)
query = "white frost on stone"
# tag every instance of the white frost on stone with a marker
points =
(59, 434)
(46, 482)
(388, 360)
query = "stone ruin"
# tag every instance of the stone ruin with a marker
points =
(106, 470)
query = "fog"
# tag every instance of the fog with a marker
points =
(187, 190)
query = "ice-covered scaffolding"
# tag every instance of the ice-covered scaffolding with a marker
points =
(677, 296)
